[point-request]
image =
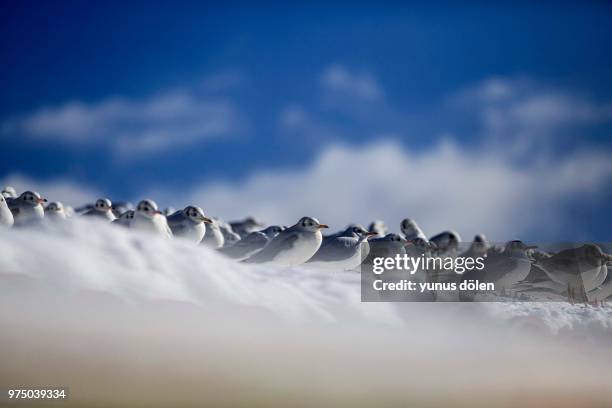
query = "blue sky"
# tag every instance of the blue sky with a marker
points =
(130, 99)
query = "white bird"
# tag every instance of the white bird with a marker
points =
(478, 248)
(103, 209)
(379, 227)
(604, 291)
(411, 230)
(6, 216)
(272, 231)
(148, 218)
(388, 246)
(447, 242)
(121, 207)
(214, 237)
(27, 207)
(125, 219)
(505, 269)
(189, 223)
(228, 237)
(55, 211)
(244, 248)
(341, 253)
(354, 231)
(246, 226)
(9, 192)
(579, 270)
(293, 246)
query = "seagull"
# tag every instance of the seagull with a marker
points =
(341, 253)
(384, 247)
(55, 211)
(247, 246)
(379, 227)
(229, 236)
(189, 223)
(121, 207)
(246, 226)
(604, 291)
(354, 231)
(447, 242)
(6, 216)
(148, 218)
(293, 246)
(505, 269)
(214, 237)
(580, 270)
(229, 239)
(103, 209)
(9, 192)
(478, 248)
(125, 219)
(272, 231)
(27, 207)
(411, 230)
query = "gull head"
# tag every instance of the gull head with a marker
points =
(310, 224)
(148, 208)
(55, 206)
(480, 243)
(127, 215)
(272, 230)
(196, 214)
(31, 198)
(594, 255)
(517, 248)
(103, 205)
(394, 240)
(409, 227)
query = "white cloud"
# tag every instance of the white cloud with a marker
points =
(127, 126)
(521, 114)
(444, 187)
(362, 85)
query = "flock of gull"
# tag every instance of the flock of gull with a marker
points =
(578, 273)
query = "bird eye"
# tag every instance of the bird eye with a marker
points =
(146, 209)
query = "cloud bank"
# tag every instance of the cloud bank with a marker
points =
(127, 127)
(443, 187)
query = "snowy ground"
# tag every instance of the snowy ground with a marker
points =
(124, 319)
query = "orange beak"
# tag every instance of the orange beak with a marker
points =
(323, 226)
(41, 200)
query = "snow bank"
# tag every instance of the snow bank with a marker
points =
(123, 318)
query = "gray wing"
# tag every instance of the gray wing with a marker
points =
(282, 242)
(175, 218)
(497, 267)
(251, 243)
(536, 274)
(336, 250)
(176, 223)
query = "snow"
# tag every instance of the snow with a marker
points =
(156, 311)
